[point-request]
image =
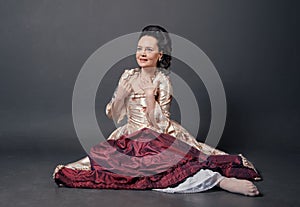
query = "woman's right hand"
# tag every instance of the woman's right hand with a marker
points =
(124, 89)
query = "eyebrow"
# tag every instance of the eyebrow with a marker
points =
(146, 47)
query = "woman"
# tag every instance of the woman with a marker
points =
(151, 151)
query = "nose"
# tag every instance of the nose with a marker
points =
(143, 52)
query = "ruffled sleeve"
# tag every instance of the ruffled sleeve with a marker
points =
(123, 111)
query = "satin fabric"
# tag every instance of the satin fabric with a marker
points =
(146, 165)
(139, 156)
(135, 110)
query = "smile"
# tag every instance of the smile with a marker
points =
(143, 60)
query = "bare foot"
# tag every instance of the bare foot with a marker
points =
(234, 185)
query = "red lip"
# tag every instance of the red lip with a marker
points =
(143, 59)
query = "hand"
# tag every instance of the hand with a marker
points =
(148, 86)
(124, 89)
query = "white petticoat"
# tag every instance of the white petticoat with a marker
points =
(201, 181)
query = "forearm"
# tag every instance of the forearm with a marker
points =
(116, 108)
(150, 101)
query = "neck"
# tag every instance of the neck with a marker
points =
(148, 72)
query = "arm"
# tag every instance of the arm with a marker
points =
(116, 108)
(151, 102)
(158, 100)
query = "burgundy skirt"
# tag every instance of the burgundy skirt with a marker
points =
(146, 159)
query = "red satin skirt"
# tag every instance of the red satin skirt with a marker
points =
(146, 159)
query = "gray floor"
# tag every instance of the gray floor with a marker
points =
(26, 181)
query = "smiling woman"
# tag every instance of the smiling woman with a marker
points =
(148, 54)
(151, 151)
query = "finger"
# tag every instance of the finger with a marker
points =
(129, 87)
(157, 84)
(126, 84)
(122, 81)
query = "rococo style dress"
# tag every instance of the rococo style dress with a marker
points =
(140, 156)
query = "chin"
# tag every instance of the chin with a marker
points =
(146, 65)
(143, 66)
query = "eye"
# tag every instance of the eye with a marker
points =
(138, 48)
(149, 49)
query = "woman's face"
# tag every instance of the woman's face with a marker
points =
(147, 53)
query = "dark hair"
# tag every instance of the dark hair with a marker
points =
(163, 42)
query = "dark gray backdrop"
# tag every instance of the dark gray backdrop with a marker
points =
(43, 45)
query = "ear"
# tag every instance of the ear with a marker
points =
(160, 55)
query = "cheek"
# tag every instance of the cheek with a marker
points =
(154, 57)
